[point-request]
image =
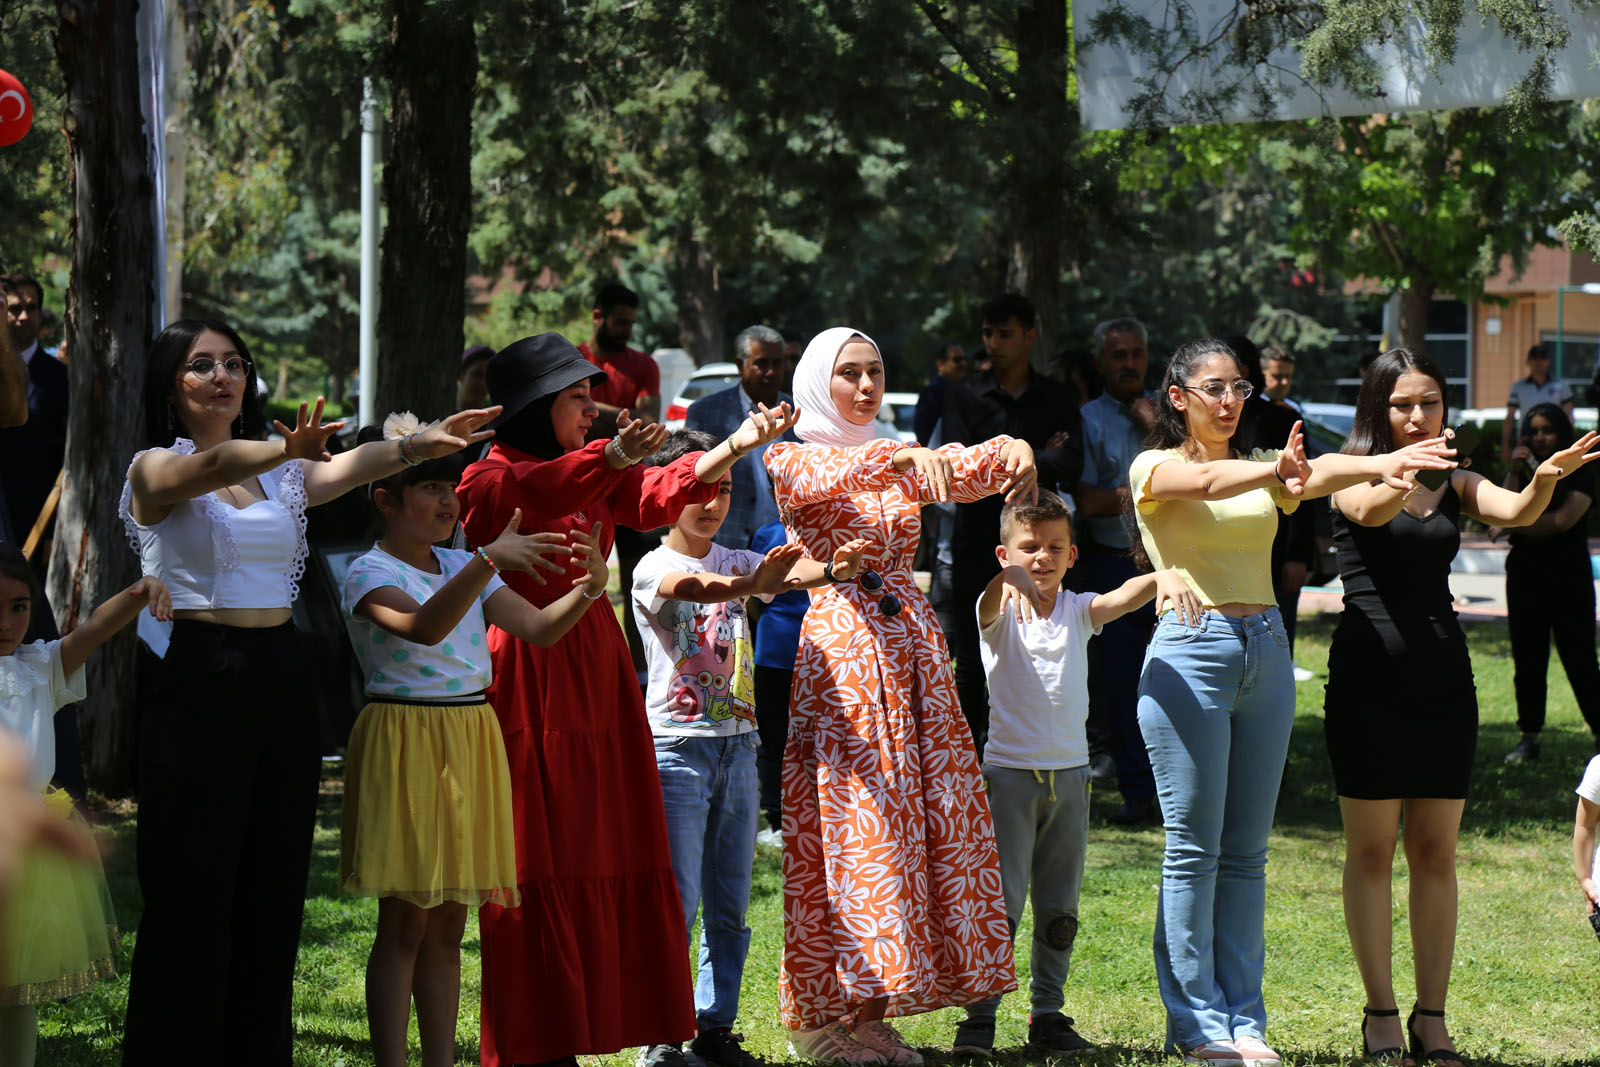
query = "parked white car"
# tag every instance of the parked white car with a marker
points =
(712, 378)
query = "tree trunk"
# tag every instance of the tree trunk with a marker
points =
(1043, 132)
(432, 64)
(176, 136)
(1414, 302)
(109, 310)
(701, 312)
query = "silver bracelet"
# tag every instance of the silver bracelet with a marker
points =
(414, 459)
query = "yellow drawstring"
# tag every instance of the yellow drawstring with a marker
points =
(1040, 779)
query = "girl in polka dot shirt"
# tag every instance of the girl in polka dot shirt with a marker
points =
(427, 806)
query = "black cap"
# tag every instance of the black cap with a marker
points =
(537, 366)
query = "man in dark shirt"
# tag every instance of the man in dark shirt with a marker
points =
(950, 367)
(42, 441)
(1011, 398)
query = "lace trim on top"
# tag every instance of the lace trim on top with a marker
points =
(292, 495)
(222, 546)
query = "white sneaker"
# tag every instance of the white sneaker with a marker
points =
(1215, 1053)
(830, 1045)
(1256, 1052)
(1303, 675)
(886, 1041)
(771, 837)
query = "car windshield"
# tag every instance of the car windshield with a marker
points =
(695, 388)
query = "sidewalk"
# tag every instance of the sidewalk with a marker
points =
(1478, 579)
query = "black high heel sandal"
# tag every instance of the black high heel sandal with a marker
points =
(1395, 1055)
(1436, 1055)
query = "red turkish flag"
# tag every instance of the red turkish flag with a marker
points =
(16, 110)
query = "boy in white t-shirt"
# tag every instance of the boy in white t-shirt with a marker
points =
(688, 600)
(1585, 857)
(1033, 637)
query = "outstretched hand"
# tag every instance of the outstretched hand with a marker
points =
(309, 438)
(155, 594)
(1433, 454)
(1022, 477)
(1570, 459)
(528, 553)
(1172, 589)
(763, 425)
(848, 558)
(586, 552)
(638, 438)
(1019, 588)
(935, 468)
(1293, 468)
(772, 573)
(455, 433)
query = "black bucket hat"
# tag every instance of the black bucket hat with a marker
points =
(536, 366)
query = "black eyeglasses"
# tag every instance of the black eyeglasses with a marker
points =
(872, 581)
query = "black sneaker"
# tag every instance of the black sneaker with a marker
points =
(1527, 750)
(662, 1056)
(722, 1049)
(974, 1039)
(1054, 1034)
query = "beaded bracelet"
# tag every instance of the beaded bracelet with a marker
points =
(483, 554)
(615, 446)
(595, 596)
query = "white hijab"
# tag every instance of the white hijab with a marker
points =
(820, 422)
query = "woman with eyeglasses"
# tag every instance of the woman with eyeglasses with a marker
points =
(1404, 752)
(1216, 700)
(892, 902)
(227, 757)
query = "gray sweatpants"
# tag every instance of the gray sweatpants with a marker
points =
(1041, 827)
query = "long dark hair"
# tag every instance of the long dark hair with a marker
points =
(1170, 430)
(168, 352)
(1370, 434)
(1552, 413)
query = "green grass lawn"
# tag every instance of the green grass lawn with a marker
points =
(1526, 959)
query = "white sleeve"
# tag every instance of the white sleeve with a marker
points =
(742, 561)
(647, 575)
(64, 690)
(368, 572)
(1589, 788)
(1081, 623)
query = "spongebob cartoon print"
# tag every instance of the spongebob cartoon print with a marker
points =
(714, 673)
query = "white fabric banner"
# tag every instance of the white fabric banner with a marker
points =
(1487, 64)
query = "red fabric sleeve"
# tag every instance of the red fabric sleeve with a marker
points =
(656, 496)
(544, 489)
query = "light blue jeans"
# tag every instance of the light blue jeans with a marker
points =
(1216, 705)
(712, 796)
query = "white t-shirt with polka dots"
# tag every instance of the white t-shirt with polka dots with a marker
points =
(455, 667)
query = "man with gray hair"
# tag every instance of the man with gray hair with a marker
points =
(1114, 427)
(758, 350)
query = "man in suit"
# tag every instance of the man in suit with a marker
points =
(758, 350)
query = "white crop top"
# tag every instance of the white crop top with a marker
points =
(210, 554)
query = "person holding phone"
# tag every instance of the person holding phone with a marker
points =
(1406, 747)
(1549, 590)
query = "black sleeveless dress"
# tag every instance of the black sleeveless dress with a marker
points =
(1401, 707)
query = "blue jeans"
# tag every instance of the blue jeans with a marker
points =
(709, 786)
(1216, 705)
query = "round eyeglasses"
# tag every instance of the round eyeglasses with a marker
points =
(206, 368)
(1240, 387)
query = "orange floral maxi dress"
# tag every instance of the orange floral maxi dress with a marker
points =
(891, 881)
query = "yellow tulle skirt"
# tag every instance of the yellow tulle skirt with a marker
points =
(427, 807)
(58, 931)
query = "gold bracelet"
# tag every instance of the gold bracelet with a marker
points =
(734, 448)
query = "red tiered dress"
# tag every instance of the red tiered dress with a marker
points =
(891, 881)
(593, 959)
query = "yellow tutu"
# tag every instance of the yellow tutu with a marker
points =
(427, 807)
(58, 933)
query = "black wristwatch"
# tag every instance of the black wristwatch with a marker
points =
(827, 571)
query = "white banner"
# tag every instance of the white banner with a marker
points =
(1485, 67)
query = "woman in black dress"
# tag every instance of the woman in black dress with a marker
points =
(1407, 748)
(1549, 586)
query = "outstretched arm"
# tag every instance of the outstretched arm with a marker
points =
(113, 615)
(545, 626)
(339, 474)
(1491, 504)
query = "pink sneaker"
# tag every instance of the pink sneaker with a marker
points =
(886, 1041)
(830, 1044)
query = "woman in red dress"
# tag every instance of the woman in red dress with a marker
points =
(592, 960)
